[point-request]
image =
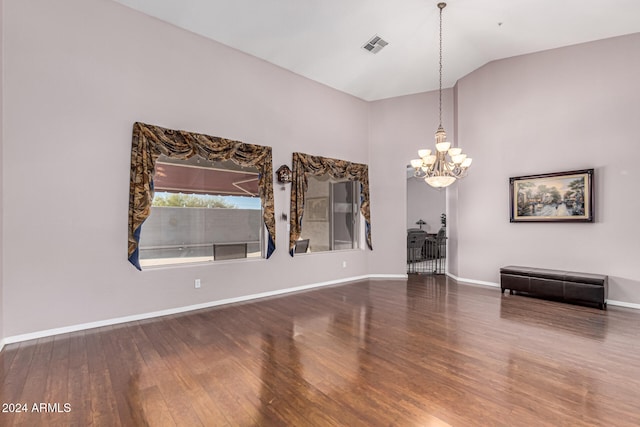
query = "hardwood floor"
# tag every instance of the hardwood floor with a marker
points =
(427, 352)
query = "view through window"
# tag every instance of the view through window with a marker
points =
(331, 219)
(202, 211)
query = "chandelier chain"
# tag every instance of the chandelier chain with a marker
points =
(440, 70)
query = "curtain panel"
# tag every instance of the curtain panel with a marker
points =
(305, 165)
(150, 141)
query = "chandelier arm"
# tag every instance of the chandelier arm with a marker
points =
(419, 173)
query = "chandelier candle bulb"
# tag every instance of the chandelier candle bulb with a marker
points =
(430, 160)
(440, 181)
(443, 146)
(459, 158)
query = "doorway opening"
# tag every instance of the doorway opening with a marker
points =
(426, 227)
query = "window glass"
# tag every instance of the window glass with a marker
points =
(331, 219)
(202, 211)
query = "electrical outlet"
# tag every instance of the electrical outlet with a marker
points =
(197, 283)
(344, 264)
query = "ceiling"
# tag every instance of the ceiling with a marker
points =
(322, 39)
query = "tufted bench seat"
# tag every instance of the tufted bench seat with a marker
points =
(556, 284)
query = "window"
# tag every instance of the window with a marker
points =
(201, 209)
(334, 203)
(331, 219)
(149, 143)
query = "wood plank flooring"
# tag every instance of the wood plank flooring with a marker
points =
(422, 352)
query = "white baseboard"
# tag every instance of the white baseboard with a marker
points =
(497, 285)
(473, 282)
(623, 304)
(143, 316)
(387, 276)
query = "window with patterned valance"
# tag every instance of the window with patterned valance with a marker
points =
(305, 165)
(149, 142)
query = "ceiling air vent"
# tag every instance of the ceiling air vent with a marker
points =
(375, 45)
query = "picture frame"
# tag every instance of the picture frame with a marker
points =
(552, 197)
(317, 209)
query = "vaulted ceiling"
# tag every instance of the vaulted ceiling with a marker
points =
(323, 39)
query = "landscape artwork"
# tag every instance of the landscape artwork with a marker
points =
(561, 197)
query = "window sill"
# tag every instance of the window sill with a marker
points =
(207, 263)
(335, 251)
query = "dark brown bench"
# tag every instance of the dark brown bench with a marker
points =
(567, 286)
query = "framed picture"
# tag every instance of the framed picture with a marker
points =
(317, 209)
(552, 197)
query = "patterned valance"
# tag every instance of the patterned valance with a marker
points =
(304, 165)
(149, 142)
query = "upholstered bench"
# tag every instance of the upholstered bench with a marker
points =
(556, 284)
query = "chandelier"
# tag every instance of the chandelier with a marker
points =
(446, 164)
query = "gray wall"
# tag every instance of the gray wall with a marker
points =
(172, 232)
(2, 335)
(564, 109)
(78, 74)
(179, 226)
